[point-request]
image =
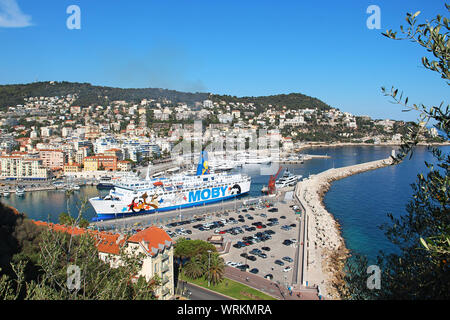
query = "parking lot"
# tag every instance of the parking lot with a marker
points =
(258, 236)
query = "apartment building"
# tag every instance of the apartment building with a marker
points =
(23, 167)
(154, 243)
(100, 162)
(53, 158)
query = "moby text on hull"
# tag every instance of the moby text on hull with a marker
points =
(131, 197)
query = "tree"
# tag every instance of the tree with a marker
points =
(420, 270)
(194, 268)
(199, 258)
(215, 268)
(35, 259)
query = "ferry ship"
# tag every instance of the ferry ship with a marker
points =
(135, 197)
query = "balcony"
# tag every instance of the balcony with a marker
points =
(165, 280)
(165, 291)
(165, 268)
(164, 257)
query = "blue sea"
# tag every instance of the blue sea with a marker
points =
(360, 203)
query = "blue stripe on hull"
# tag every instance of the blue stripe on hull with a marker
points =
(108, 216)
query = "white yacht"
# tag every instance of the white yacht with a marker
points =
(287, 180)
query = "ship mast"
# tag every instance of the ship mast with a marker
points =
(147, 176)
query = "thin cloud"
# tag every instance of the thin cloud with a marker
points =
(11, 16)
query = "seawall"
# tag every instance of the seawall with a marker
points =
(324, 248)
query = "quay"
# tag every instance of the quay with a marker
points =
(161, 218)
(301, 158)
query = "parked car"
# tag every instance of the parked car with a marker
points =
(243, 267)
(251, 258)
(254, 271)
(287, 242)
(286, 269)
(269, 276)
(273, 210)
(266, 248)
(282, 217)
(279, 262)
(288, 259)
(293, 225)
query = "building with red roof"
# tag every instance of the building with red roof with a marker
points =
(153, 242)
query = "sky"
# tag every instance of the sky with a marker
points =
(322, 48)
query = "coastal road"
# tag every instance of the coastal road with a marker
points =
(199, 293)
(269, 287)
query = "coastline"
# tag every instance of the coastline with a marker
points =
(324, 246)
(356, 144)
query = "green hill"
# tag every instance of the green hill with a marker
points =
(11, 95)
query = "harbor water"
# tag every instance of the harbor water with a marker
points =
(360, 203)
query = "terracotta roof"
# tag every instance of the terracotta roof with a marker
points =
(154, 238)
(106, 242)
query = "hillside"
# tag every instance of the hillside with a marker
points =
(88, 94)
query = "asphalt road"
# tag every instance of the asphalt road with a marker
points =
(198, 293)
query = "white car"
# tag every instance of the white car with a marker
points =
(228, 263)
(286, 269)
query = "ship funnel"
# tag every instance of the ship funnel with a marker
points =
(203, 167)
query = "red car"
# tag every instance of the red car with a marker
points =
(259, 226)
(222, 232)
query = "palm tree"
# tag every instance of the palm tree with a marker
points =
(216, 268)
(194, 269)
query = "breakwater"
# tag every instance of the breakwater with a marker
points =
(324, 250)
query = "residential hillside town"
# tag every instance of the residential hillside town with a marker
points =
(51, 136)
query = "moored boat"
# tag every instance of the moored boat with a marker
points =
(150, 195)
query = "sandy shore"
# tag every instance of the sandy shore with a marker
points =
(325, 249)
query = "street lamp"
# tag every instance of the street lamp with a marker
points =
(209, 266)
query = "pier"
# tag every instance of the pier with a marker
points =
(323, 247)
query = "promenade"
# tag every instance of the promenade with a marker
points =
(323, 251)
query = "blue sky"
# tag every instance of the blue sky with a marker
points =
(243, 48)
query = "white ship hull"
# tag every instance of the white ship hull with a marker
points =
(122, 202)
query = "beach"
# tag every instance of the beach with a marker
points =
(324, 249)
